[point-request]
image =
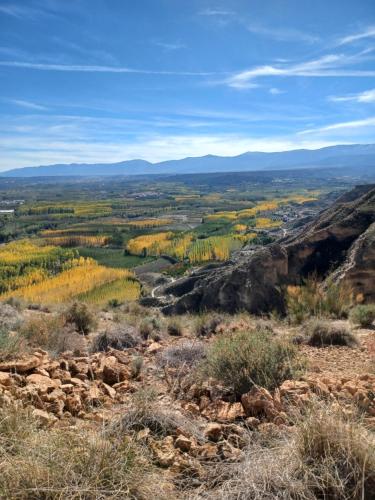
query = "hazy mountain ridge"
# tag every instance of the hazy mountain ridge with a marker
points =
(353, 155)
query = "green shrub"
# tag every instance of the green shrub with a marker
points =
(322, 333)
(250, 358)
(363, 315)
(81, 317)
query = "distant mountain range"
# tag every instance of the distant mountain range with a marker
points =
(353, 155)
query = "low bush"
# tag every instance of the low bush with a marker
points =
(136, 366)
(65, 340)
(312, 299)
(16, 303)
(174, 327)
(184, 354)
(250, 358)
(321, 333)
(144, 412)
(41, 331)
(146, 328)
(121, 337)
(206, 324)
(10, 319)
(363, 315)
(81, 317)
(11, 345)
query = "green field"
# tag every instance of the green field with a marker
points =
(113, 257)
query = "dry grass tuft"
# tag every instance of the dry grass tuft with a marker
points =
(62, 463)
(145, 413)
(327, 457)
(323, 333)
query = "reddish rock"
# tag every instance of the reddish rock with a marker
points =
(44, 418)
(22, 365)
(183, 443)
(258, 401)
(213, 431)
(294, 387)
(73, 404)
(223, 411)
(113, 371)
(154, 347)
(42, 383)
(5, 379)
(164, 451)
(252, 422)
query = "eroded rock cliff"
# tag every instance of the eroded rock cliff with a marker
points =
(339, 244)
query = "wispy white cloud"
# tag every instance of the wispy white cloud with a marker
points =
(342, 126)
(331, 65)
(93, 53)
(28, 105)
(214, 12)
(276, 91)
(100, 69)
(23, 11)
(369, 32)
(368, 96)
(282, 34)
(170, 46)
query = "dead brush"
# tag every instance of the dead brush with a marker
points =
(320, 333)
(177, 362)
(329, 455)
(41, 331)
(12, 345)
(60, 463)
(146, 413)
(10, 317)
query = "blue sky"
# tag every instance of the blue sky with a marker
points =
(110, 80)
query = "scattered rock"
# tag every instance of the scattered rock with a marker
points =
(183, 443)
(213, 431)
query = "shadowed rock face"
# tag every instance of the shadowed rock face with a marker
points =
(340, 243)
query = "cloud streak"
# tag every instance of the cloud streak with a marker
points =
(23, 12)
(170, 46)
(367, 33)
(217, 13)
(282, 34)
(350, 125)
(28, 105)
(368, 96)
(331, 65)
(81, 68)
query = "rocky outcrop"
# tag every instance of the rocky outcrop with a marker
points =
(340, 242)
(358, 270)
(68, 386)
